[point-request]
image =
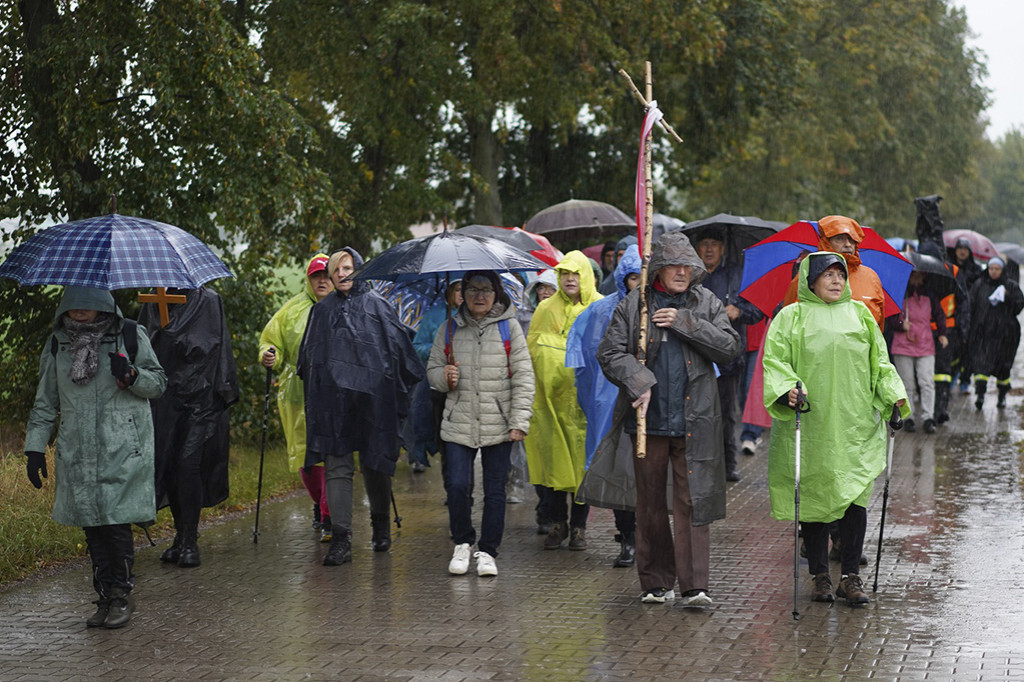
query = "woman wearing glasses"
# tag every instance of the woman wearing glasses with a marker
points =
(481, 361)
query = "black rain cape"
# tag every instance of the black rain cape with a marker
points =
(358, 367)
(191, 417)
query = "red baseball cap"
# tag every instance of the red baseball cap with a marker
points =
(316, 265)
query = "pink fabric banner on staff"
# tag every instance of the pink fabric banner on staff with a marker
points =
(653, 116)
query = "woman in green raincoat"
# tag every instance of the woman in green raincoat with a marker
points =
(556, 444)
(94, 390)
(832, 345)
(279, 348)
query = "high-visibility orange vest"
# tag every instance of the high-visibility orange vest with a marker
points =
(948, 304)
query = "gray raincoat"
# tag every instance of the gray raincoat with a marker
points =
(104, 452)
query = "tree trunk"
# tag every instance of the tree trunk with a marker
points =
(77, 177)
(484, 160)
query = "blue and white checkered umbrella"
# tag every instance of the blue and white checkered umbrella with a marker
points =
(114, 252)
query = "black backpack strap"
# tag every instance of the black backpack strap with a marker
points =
(53, 345)
(130, 332)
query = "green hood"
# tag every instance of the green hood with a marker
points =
(86, 298)
(804, 290)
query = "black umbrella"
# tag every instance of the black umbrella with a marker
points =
(938, 277)
(579, 219)
(739, 231)
(517, 238)
(446, 254)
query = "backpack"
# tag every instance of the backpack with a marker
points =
(506, 340)
(130, 332)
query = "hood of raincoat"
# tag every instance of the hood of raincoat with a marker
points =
(307, 287)
(86, 298)
(674, 248)
(629, 264)
(625, 243)
(359, 286)
(575, 261)
(821, 261)
(832, 225)
(547, 277)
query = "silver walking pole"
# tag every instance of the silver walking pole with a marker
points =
(796, 504)
(894, 422)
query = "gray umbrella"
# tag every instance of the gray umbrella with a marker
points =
(579, 219)
(738, 231)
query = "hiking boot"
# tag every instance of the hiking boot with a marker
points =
(749, 448)
(381, 524)
(577, 538)
(102, 608)
(627, 551)
(909, 426)
(852, 590)
(485, 565)
(929, 426)
(340, 551)
(326, 530)
(557, 535)
(171, 554)
(460, 560)
(418, 467)
(979, 403)
(120, 610)
(189, 556)
(696, 598)
(317, 522)
(657, 595)
(732, 476)
(1001, 400)
(822, 590)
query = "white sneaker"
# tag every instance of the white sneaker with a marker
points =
(657, 595)
(749, 447)
(697, 598)
(460, 560)
(485, 565)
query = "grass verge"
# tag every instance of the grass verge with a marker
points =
(31, 542)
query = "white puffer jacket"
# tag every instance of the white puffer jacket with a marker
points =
(487, 403)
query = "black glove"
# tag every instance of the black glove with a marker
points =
(35, 465)
(895, 421)
(121, 368)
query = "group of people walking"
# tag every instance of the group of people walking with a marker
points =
(653, 439)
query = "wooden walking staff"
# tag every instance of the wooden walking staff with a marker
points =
(645, 238)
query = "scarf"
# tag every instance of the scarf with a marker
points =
(85, 340)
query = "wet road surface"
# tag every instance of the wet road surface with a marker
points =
(950, 601)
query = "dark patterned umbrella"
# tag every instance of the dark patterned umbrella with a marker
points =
(580, 219)
(114, 252)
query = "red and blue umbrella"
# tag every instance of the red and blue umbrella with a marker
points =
(768, 265)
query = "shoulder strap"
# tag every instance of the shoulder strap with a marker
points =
(449, 329)
(53, 344)
(506, 339)
(130, 331)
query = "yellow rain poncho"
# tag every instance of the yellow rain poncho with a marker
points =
(556, 444)
(284, 333)
(838, 354)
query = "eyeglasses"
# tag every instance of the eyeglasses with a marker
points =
(473, 291)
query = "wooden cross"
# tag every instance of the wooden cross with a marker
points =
(645, 255)
(162, 298)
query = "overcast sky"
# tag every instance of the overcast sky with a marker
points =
(997, 28)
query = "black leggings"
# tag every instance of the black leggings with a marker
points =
(112, 550)
(852, 528)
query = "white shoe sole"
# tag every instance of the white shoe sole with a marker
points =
(651, 599)
(699, 599)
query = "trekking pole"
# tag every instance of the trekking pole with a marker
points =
(894, 422)
(263, 447)
(398, 519)
(796, 506)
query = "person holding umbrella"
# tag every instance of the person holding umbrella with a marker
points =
(279, 351)
(677, 390)
(967, 273)
(556, 445)
(104, 454)
(996, 300)
(358, 366)
(480, 362)
(835, 349)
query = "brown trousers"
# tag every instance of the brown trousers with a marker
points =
(664, 555)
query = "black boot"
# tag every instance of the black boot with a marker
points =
(979, 392)
(121, 608)
(627, 551)
(1003, 390)
(340, 551)
(316, 517)
(381, 524)
(189, 557)
(941, 402)
(173, 553)
(97, 619)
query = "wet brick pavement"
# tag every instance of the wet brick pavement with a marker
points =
(950, 602)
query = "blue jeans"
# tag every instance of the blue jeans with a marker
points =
(495, 460)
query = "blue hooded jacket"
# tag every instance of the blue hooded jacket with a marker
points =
(597, 395)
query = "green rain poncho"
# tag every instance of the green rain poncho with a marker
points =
(284, 332)
(556, 445)
(838, 354)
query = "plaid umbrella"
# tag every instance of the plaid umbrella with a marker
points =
(114, 252)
